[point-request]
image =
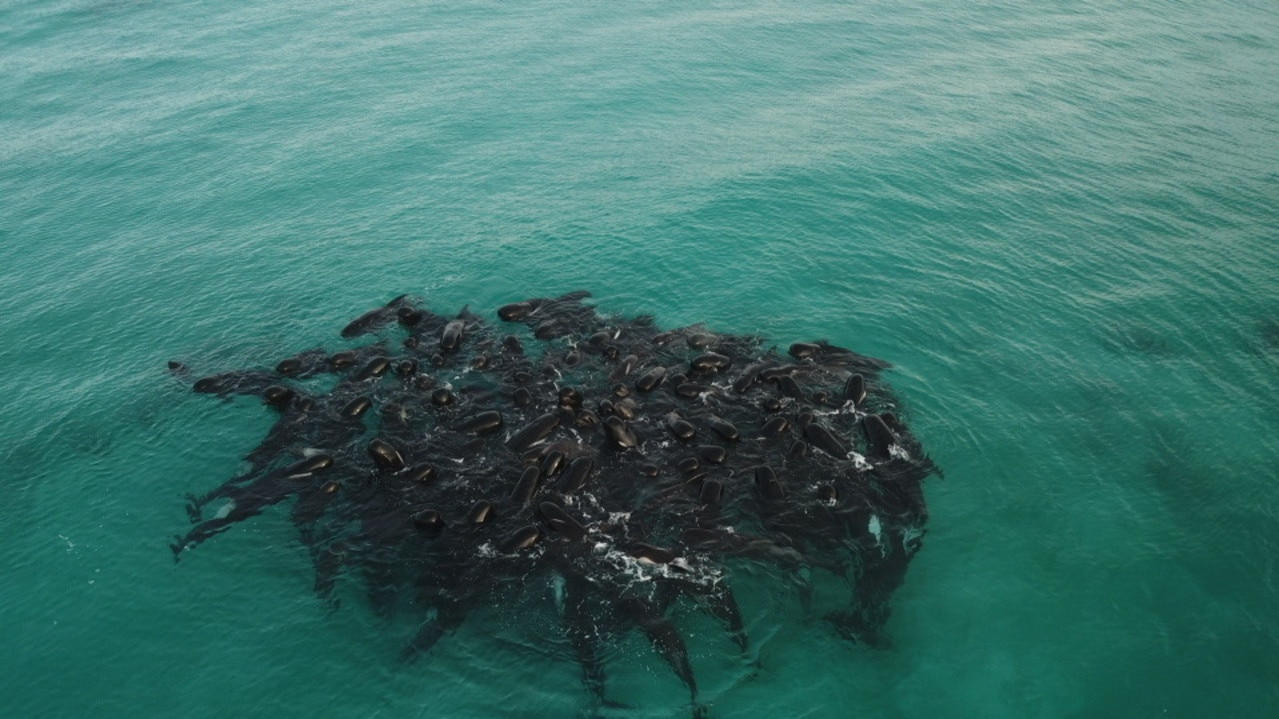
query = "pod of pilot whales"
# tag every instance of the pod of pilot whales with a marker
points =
(449, 461)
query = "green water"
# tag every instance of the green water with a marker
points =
(1057, 220)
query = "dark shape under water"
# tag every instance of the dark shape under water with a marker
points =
(628, 465)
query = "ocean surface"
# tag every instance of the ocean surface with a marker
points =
(1058, 221)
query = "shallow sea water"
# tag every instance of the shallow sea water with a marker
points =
(1057, 221)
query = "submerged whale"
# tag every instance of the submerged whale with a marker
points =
(452, 460)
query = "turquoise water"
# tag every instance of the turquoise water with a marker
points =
(1057, 220)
